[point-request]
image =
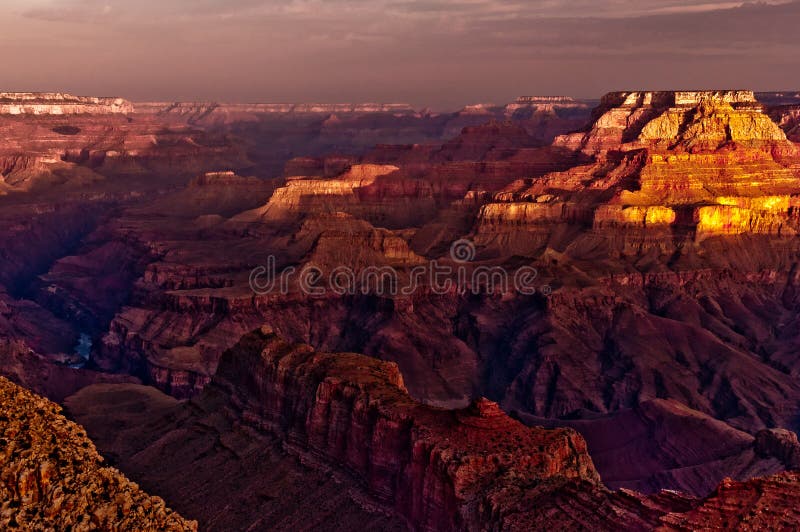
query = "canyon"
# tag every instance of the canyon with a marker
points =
(402, 464)
(647, 381)
(32, 103)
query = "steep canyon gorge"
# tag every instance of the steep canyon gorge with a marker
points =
(647, 381)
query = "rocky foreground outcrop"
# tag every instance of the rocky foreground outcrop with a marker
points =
(52, 478)
(430, 468)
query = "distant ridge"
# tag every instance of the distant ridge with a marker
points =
(60, 103)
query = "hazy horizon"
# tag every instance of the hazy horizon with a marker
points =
(431, 53)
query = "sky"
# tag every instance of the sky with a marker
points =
(430, 53)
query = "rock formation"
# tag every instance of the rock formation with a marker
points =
(677, 446)
(663, 237)
(542, 117)
(50, 151)
(626, 240)
(273, 134)
(692, 120)
(431, 466)
(53, 478)
(214, 196)
(432, 469)
(784, 109)
(768, 503)
(369, 192)
(57, 103)
(704, 162)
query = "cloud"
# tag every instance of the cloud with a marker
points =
(428, 51)
(73, 11)
(83, 10)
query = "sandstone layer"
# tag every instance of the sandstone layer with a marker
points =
(57, 103)
(97, 154)
(701, 163)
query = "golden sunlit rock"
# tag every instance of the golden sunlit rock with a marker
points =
(52, 478)
(714, 154)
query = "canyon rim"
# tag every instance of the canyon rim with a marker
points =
(245, 286)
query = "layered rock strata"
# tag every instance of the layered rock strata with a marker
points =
(90, 154)
(429, 468)
(57, 103)
(671, 262)
(691, 163)
(206, 109)
(693, 119)
(432, 466)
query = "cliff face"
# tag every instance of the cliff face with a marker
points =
(666, 266)
(51, 151)
(57, 103)
(441, 470)
(350, 416)
(434, 469)
(707, 163)
(371, 192)
(694, 120)
(788, 117)
(761, 504)
(212, 197)
(53, 478)
(784, 109)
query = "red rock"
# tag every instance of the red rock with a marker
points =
(762, 504)
(434, 469)
(662, 442)
(670, 256)
(51, 476)
(34, 103)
